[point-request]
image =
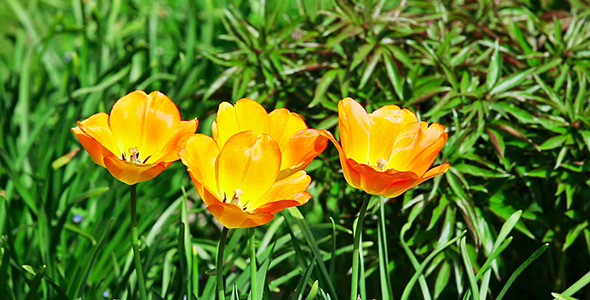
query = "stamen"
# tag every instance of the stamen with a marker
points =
(146, 159)
(381, 163)
(236, 198)
(123, 156)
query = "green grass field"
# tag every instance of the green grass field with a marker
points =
(508, 79)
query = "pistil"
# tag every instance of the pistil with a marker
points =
(381, 163)
(133, 156)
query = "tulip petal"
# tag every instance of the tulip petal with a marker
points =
(386, 124)
(375, 182)
(97, 127)
(291, 188)
(434, 139)
(252, 115)
(400, 187)
(404, 149)
(301, 149)
(130, 173)
(354, 125)
(249, 163)
(199, 156)
(96, 151)
(247, 114)
(438, 170)
(232, 216)
(277, 206)
(417, 147)
(226, 123)
(352, 177)
(146, 122)
(177, 142)
(206, 195)
(283, 125)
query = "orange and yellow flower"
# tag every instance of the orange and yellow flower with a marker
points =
(139, 139)
(388, 151)
(298, 144)
(238, 181)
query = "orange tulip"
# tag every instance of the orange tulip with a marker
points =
(238, 182)
(139, 139)
(389, 151)
(299, 145)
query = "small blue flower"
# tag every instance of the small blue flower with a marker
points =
(106, 294)
(68, 57)
(77, 218)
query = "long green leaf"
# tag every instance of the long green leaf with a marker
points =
(520, 269)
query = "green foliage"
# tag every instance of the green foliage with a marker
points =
(509, 80)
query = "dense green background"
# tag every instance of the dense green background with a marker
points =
(509, 80)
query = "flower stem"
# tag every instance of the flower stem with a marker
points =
(135, 241)
(355, 250)
(220, 261)
(253, 283)
(384, 276)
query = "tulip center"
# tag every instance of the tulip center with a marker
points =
(381, 163)
(133, 156)
(235, 199)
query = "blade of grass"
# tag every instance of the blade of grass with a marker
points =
(521, 268)
(415, 264)
(219, 267)
(511, 81)
(186, 242)
(296, 214)
(578, 285)
(394, 76)
(304, 279)
(485, 284)
(495, 68)
(422, 267)
(34, 284)
(313, 291)
(253, 285)
(79, 285)
(262, 273)
(333, 255)
(356, 254)
(469, 270)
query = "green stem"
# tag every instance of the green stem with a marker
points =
(253, 283)
(220, 261)
(384, 276)
(355, 250)
(135, 241)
